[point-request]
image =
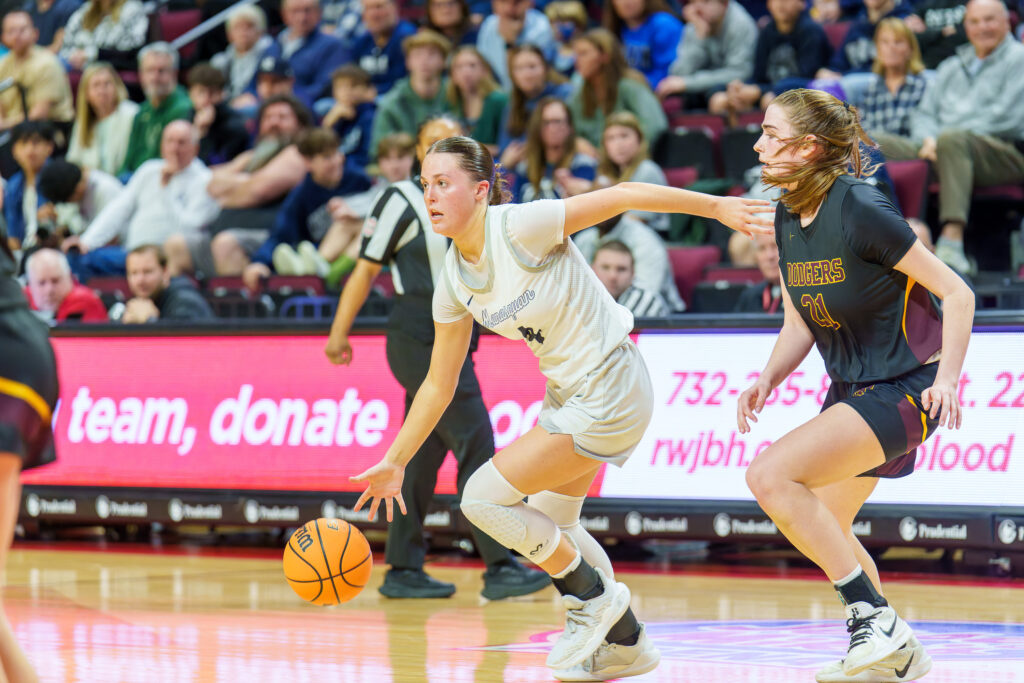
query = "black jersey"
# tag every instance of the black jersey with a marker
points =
(869, 321)
(11, 294)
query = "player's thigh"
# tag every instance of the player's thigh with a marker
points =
(835, 445)
(539, 461)
(10, 501)
(844, 499)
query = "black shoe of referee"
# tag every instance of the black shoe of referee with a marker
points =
(508, 579)
(402, 582)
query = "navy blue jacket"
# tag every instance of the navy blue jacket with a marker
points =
(313, 63)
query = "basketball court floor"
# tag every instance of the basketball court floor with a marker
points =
(144, 614)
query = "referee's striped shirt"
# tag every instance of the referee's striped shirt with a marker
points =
(397, 234)
(643, 303)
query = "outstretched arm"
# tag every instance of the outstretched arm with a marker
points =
(451, 344)
(748, 216)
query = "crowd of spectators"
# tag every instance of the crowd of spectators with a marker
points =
(263, 160)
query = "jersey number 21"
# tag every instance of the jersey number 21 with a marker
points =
(819, 313)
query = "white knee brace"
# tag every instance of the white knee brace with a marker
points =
(497, 508)
(565, 512)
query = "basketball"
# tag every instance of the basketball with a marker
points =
(327, 561)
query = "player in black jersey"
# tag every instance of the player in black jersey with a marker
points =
(857, 284)
(28, 395)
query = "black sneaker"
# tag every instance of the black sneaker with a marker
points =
(414, 583)
(509, 579)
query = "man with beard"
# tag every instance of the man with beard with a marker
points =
(249, 189)
(166, 101)
(155, 294)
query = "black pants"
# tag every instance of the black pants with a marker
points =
(464, 429)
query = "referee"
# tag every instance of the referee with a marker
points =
(398, 234)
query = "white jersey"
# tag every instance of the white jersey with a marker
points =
(533, 284)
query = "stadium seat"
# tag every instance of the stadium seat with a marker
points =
(751, 118)
(174, 24)
(836, 33)
(678, 148)
(308, 285)
(723, 273)
(110, 290)
(309, 307)
(688, 265)
(738, 155)
(239, 304)
(681, 177)
(910, 180)
(223, 284)
(713, 124)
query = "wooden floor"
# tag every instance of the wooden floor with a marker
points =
(171, 616)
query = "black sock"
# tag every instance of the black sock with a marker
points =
(860, 589)
(625, 631)
(583, 582)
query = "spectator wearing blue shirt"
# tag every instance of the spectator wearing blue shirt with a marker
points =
(306, 215)
(49, 18)
(649, 33)
(514, 22)
(32, 145)
(312, 54)
(379, 50)
(452, 19)
(343, 19)
(351, 115)
(552, 168)
(790, 50)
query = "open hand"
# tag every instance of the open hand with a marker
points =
(749, 216)
(750, 402)
(941, 399)
(384, 483)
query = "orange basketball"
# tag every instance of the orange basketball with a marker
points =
(327, 561)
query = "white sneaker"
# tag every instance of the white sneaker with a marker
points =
(909, 663)
(587, 623)
(875, 633)
(614, 661)
(312, 262)
(286, 261)
(952, 254)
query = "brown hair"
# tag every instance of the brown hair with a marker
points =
(155, 249)
(605, 165)
(85, 117)
(615, 69)
(298, 108)
(614, 23)
(207, 75)
(536, 162)
(353, 74)
(915, 65)
(401, 144)
(835, 127)
(94, 14)
(464, 26)
(518, 116)
(315, 141)
(425, 37)
(475, 160)
(615, 245)
(487, 83)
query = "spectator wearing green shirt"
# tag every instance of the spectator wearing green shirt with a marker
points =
(166, 101)
(419, 96)
(608, 86)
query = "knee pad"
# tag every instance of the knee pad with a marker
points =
(565, 512)
(496, 507)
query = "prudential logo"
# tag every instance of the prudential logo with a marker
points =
(1007, 531)
(908, 529)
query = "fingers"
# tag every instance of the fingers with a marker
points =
(372, 516)
(389, 505)
(762, 396)
(362, 499)
(401, 504)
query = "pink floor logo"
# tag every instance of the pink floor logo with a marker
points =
(800, 644)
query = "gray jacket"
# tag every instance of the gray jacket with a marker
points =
(990, 102)
(714, 61)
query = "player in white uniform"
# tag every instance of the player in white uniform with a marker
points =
(514, 269)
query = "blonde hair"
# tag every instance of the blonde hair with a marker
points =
(487, 83)
(85, 117)
(254, 14)
(835, 127)
(567, 10)
(615, 69)
(605, 165)
(915, 64)
(94, 14)
(427, 38)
